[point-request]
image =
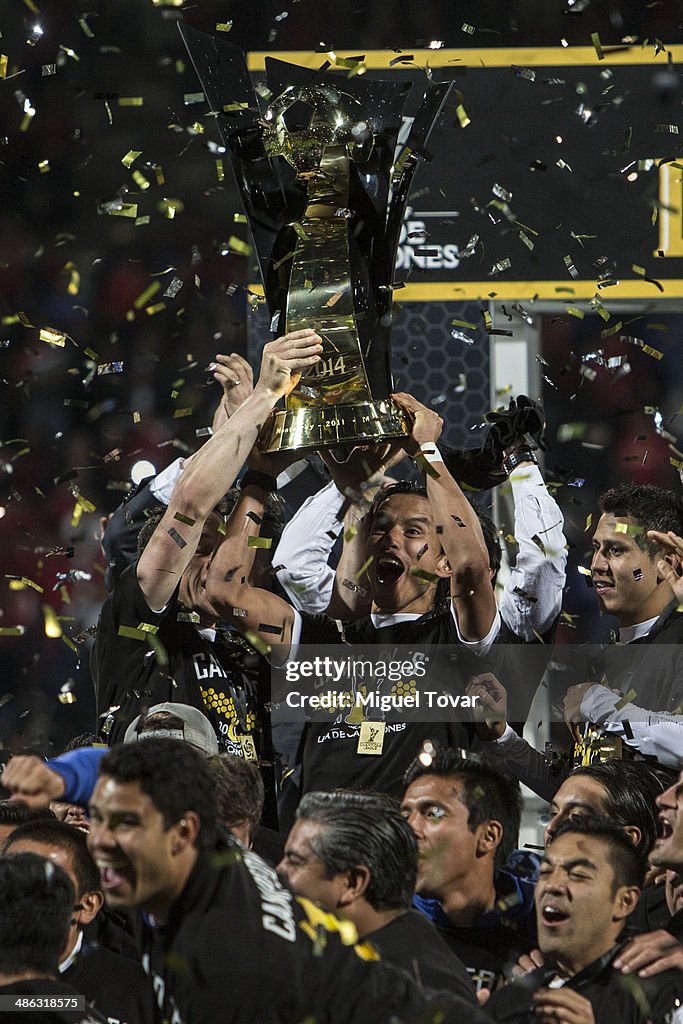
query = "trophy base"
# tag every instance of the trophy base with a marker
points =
(328, 426)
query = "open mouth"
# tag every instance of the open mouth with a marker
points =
(388, 570)
(664, 829)
(113, 877)
(553, 916)
(601, 587)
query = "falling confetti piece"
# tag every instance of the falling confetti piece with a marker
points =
(53, 336)
(595, 39)
(259, 542)
(130, 101)
(461, 114)
(257, 643)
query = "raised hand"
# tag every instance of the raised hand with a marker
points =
(284, 359)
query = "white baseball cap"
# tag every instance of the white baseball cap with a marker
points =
(196, 728)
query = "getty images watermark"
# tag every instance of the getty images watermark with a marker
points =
(398, 683)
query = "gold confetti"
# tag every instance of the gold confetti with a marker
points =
(140, 180)
(72, 646)
(223, 26)
(3, 65)
(257, 643)
(53, 628)
(130, 101)
(169, 207)
(132, 633)
(237, 245)
(461, 114)
(595, 39)
(148, 627)
(86, 28)
(44, 166)
(180, 413)
(589, 522)
(630, 528)
(12, 630)
(184, 519)
(125, 210)
(230, 108)
(425, 577)
(75, 281)
(626, 699)
(151, 290)
(20, 582)
(366, 565)
(84, 504)
(220, 173)
(259, 542)
(53, 336)
(156, 308)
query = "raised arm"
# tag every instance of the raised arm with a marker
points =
(532, 598)
(461, 534)
(209, 473)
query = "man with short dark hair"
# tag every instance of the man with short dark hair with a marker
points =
(12, 815)
(36, 904)
(588, 886)
(219, 934)
(421, 541)
(115, 984)
(356, 855)
(466, 817)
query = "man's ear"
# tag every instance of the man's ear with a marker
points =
(443, 567)
(672, 559)
(91, 904)
(625, 901)
(489, 837)
(356, 881)
(185, 831)
(634, 833)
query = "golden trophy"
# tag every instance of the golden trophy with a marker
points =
(324, 187)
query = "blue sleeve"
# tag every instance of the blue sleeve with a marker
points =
(79, 769)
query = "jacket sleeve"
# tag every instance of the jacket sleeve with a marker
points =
(532, 597)
(79, 769)
(513, 754)
(659, 735)
(304, 549)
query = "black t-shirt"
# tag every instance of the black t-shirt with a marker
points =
(177, 664)
(34, 989)
(413, 943)
(330, 757)
(116, 985)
